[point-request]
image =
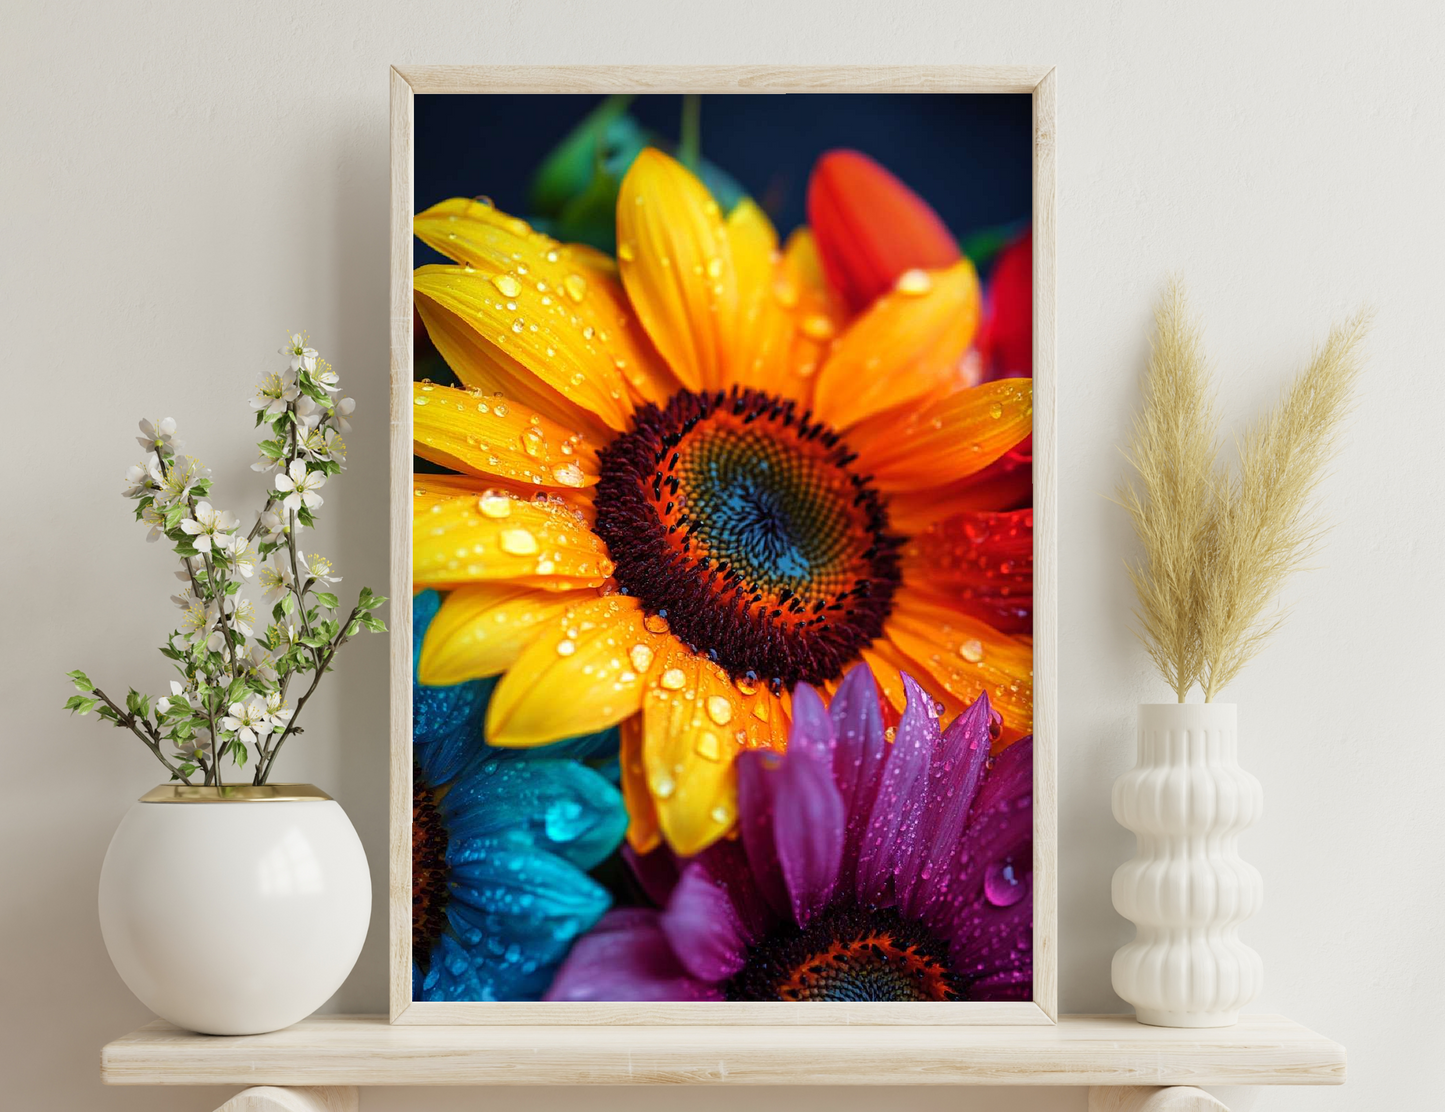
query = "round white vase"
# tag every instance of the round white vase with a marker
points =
(1186, 889)
(234, 911)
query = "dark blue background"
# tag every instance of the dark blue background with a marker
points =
(969, 156)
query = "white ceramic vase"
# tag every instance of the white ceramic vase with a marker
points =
(1187, 890)
(238, 910)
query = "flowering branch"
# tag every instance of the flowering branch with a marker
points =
(230, 699)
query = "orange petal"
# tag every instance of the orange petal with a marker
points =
(995, 488)
(949, 438)
(676, 262)
(491, 438)
(568, 290)
(888, 664)
(964, 655)
(906, 347)
(980, 563)
(786, 319)
(871, 227)
(643, 834)
(580, 674)
(498, 537)
(481, 629)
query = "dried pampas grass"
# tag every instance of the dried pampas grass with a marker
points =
(1218, 545)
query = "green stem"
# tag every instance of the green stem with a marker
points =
(128, 720)
(341, 639)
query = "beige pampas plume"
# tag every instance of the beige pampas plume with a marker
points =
(1172, 451)
(1265, 522)
(1218, 546)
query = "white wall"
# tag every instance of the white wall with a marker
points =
(184, 181)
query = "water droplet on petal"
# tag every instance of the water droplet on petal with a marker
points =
(673, 679)
(494, 505)
(971, 651)
(721, 814)
(508, 285)
(996, 410)
(566, 648)
(817, 327)
(518, 542)
(1002, 886)
(641, 656)
(625, 252)
(708, 747)
(576, 286)
(747, 685)
(714, 268)
(719, 709)
(419, 401)
(914, 282)
(655, 623)
(663, 787)
(569, 475)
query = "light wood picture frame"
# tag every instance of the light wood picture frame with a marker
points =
(1038, 82)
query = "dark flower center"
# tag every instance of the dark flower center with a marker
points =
(739, 521)
(848, 954)
(429, 893)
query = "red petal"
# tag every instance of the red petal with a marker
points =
(1006, 341)
(870, 227)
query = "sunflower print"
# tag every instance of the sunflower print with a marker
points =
(682, 482)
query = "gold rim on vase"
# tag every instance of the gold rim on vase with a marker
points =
(235, 793)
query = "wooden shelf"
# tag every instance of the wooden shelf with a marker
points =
(1103, 1050)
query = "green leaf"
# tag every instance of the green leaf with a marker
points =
(352, 629)
(81, 680)
(373, 623)
(288, 603)
(238, 754)
(327, 599)
(272, 449)
(79, 704)
(185, 548)
(369, 601)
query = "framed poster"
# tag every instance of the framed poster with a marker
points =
(723, 518)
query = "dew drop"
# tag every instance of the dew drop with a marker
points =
(568, 475)
(625, 252)
(747, 685)
(508, 285)
(663, 787)
(419, 401)
(673, 679)
(518, 325)
(566, 648)
(494, 505)
(518, 542)
(914, 282)
(1001, 885)
(714, 268)
(996, 410)
(708, 747)
(971, 651)
(576, 286)
(641, 656)
(655, 623)
(719, 709)
(817, 327)
(721, 814)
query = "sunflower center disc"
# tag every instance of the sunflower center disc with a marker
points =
(429, 892)
(740, 522)
(848, 954)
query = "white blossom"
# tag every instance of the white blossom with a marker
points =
(142, 478)
(275, 579)
(308, 413)
(156, 519)
(325, 377)
(242, 553)
(318, 568)
(198, 746)
(159, 434)
(243, 615)
(209, 527)
(341, 410)
(264, 462)
(299, 487)
(279, 714)
(275, 526)
(179, 696)
(196, 621)
(325, 443)
(258, 663)
(180, 479)
(276, 391)
(302, 357)
(248, 720)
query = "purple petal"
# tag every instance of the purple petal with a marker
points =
(891, 842)
(808, 812)
(993, 950)
(727, 865)
(953, 779)
(857, 757)
(656, 872)
(626, 957)
(756, 784)
(702, 927)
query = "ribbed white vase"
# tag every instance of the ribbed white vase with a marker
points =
(1187, 890)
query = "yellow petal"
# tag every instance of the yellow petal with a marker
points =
(693, 727)
(583, 672)
(430, 489)
(964, 655)
(480, 630)
(572, 286)
(492, 438)
(481, 365)
(676, 263)
(905, 347)
(946, 439)
(496, 536)
(546, 340)
(785, 320)
(643, 834)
